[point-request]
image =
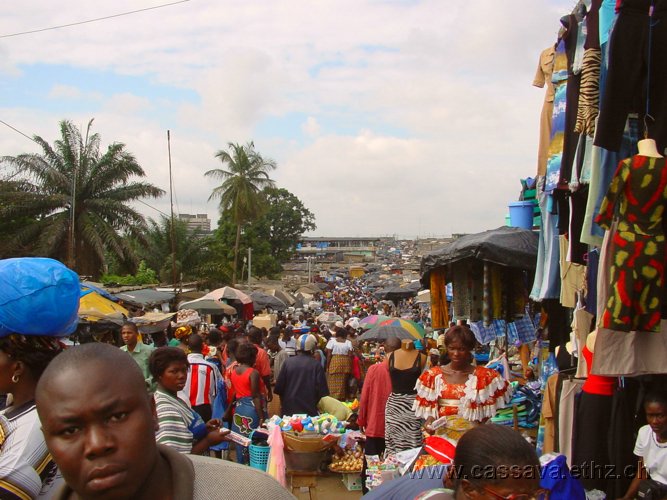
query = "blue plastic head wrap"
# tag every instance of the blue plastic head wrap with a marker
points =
(38, 296)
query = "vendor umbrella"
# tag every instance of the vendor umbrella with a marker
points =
(328, 317)
(383, 332)
(372, 320)
(263, 301)
(280, 294)
(240, 299)
(93, 308)
(415, 330)
(208, 306)
(228, 293)
(396, 293)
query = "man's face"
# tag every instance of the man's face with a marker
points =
(129, 336)
(101, 433)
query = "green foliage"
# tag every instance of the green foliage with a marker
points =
(284, 222)
(246, 175)
(272, 237)
(156, 250)
(73, 175)
(144, 276)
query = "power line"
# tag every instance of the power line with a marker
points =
(28, 137)
(17, 130)
(93, 20)
(151, 206)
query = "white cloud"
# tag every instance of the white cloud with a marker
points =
(421, 115)
(128, 103)
(310, 127)
(59, 91)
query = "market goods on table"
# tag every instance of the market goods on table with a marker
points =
(351, 460)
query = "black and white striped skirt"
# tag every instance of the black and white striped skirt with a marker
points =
(402, 428)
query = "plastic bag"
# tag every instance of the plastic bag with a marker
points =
(38, 296)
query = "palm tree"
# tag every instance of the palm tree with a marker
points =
(240, 192)
(74, 199)
(156, 250)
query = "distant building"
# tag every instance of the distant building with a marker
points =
(339, 249)
(197, 222)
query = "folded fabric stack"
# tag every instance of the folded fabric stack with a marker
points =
(528, 406)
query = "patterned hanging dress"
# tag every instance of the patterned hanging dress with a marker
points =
(636, 197)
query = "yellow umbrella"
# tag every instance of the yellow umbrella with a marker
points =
(93, 307)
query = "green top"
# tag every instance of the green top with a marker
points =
(140, 355)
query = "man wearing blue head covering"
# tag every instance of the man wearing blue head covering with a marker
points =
(302, 382)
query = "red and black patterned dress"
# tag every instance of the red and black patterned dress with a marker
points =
(636, 198)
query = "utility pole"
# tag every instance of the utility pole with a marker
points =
(309, 259)
(72, 259)
(249, 265)
(171, 203)
(72, 233)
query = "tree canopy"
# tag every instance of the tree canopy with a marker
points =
(246, 175)
(191, 249)
(273, 236)
(73, 180)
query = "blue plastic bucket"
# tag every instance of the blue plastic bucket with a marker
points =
(521, 214)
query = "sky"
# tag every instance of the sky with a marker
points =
(385, 117)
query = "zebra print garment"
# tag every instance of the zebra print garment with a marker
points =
(402, 427)
(589, 93)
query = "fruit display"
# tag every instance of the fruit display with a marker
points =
(351, 460)
(352, 405)
(425, 460)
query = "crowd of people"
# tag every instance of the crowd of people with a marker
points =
(153, 420)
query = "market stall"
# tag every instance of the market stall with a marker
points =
(489, 272)
(600, 265)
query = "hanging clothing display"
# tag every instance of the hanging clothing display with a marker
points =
(577, 250)
(603, 229)
(484, 291)
(608, 164)
(592, 424)
(638, 193)
(573, 43)
(638, 41)
(558, 323)
(468, 289)
(543, 77)
(572, 276)
(439, 309)
(570, 388)
(559, 79)
(547, 275)
(593, 261)
(548, 417)
(589, 93)
(581, 327)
